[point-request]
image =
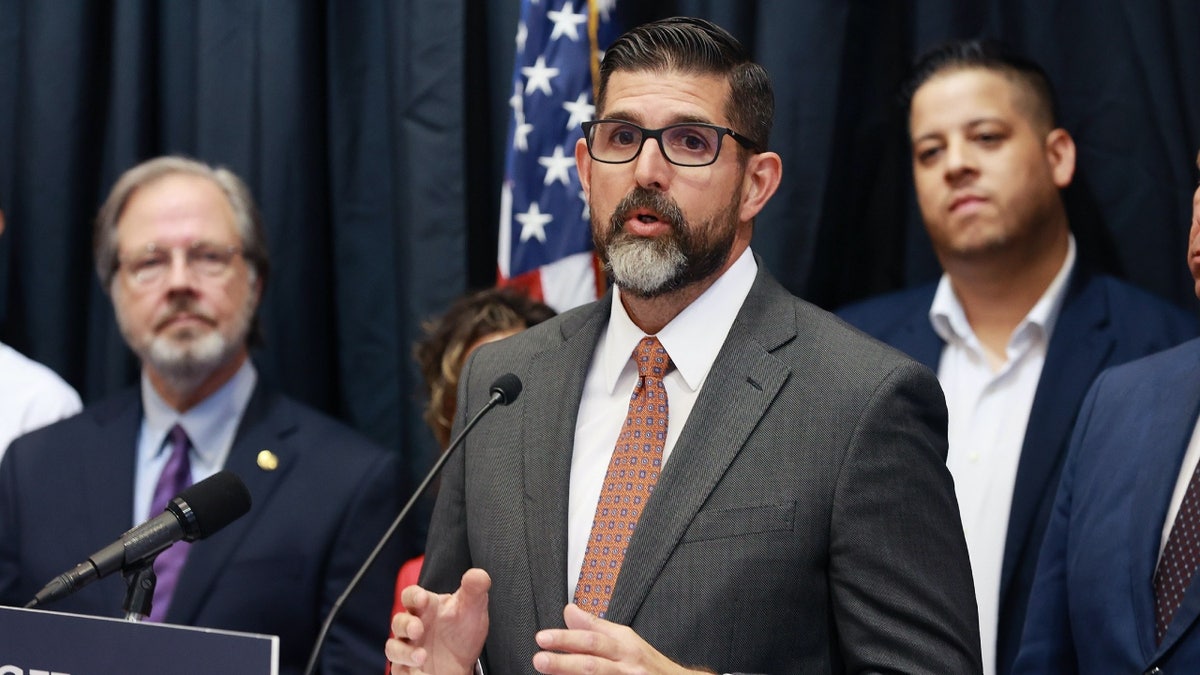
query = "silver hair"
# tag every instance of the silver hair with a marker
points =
(246, 217)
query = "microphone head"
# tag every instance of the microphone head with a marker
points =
(506, 388)
(210, 505)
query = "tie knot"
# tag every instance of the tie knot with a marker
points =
(651, 358)
(178, 438)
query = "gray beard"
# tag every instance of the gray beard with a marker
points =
(645, 267)
(650, 268)
(185, 364)
(186, 367)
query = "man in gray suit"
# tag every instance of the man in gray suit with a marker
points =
(798, 516)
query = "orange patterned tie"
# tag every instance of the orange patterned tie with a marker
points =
(632, 473)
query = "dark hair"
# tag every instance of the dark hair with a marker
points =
(987, 55)
(442, 353)
(693, 45)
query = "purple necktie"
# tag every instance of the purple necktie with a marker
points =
(175, 476)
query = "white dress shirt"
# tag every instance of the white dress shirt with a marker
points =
(31, 396)
(692, 339)
(988, 414)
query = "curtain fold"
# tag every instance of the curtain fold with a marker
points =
(372, 134)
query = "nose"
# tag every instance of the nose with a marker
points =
(651, 168)
(179, 273)
(960, 161)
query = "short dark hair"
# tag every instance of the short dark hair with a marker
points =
(440, 355)
(693, 45)
(987, 55)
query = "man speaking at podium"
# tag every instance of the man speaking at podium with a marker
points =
(180, 249)
(803, 520)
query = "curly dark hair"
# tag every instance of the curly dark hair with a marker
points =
(451, 338)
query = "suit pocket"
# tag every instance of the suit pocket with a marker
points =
(741, 521)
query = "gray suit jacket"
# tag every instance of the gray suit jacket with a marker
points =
(805, 523)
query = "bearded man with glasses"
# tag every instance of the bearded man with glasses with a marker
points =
(180, 249)
(703, 473)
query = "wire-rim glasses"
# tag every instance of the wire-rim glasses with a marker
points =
(151, 266)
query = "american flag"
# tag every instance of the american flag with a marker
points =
(545, 242)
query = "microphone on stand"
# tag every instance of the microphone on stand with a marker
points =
(195, 513)
(504, 390)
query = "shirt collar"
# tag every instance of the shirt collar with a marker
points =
(208, 423)
(693, 338)
(949, 319)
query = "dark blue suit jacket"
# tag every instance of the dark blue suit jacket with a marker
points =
(1103, 322)
(67, 490)
(1093, 601)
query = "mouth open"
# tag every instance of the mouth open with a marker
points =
(646, 223)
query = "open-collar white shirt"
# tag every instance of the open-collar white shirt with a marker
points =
(693, 340)
(988, 414)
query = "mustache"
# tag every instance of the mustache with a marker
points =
(180, 306)
(641, 198)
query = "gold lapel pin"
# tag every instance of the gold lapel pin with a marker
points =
(267, 460)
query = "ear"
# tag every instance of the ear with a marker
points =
(583, 164)
(763, 173)
(1060, 154)
(257, 289)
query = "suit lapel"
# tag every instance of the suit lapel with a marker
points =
(739, 389)
(264, 426)
(107, 477)
(1167, 433)
(1078, 351)
(916, 336)
(548, 422)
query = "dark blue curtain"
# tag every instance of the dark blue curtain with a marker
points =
(372, 134)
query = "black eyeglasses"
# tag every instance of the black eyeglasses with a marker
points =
(688, 144)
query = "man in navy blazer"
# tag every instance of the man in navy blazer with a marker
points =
(180, 249)
(1018, 327)
(1132, 456)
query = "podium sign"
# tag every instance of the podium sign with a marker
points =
(35, 642)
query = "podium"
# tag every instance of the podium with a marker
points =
(36, 642)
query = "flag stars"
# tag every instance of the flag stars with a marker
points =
(517, 101)
(537, 76)
(522, 35)
(581, 110)
(587, 211)
(533, 223)
(557, 167)
(566, 22)
(605, 7)
(521, 131)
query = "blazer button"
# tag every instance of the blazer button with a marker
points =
(1154, 671)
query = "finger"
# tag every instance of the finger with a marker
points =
(550, 663)
(401, 653)
(415, 599)
(579, 637)
(475, 585)
(405, 625)
(576, 617)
